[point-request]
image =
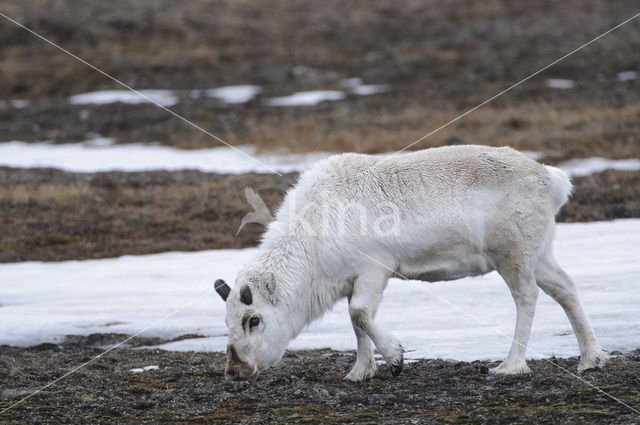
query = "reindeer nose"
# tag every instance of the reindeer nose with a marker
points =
(232, 374)
(236, 368)
(238, 373)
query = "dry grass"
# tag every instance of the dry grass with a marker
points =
(438, 58)
(557, 133)
(51, 194)
(52, 215)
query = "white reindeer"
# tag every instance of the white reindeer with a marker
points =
(459, 211)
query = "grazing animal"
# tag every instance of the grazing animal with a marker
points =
(433, 215)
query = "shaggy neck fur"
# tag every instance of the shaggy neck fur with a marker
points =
(302, 296)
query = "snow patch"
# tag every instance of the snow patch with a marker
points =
(558, 83)
(306, 98)
(42, 302)
(99, 154)
(355, 86)
(143, 369)
(163, 97)
(627, 75)
(229, 94)
(586, 166)
(366, 90)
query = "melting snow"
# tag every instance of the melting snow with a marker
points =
(355, 86)
(350, 85)
(101, 154)
(366, 90)
(163, 97)
(627, 75)
(586, 166)
(557, 83)
(306, 98)
(143, 369)
(230, 94)
(42, 302)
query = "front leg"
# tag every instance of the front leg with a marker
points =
(365, 367)
(366, 296)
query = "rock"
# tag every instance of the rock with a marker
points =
(12, 394)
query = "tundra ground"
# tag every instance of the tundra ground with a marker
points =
(307, 387)
(438, 59)
(52, 215)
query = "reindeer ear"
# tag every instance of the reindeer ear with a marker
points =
(268, 285)
(222, 289)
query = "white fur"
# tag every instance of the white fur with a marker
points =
(461, 211)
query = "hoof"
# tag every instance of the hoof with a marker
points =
(359, 374)
(396, 366)
(504, 369)
(596, 359)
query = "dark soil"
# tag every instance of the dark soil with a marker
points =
(53, 215)
(438, 58)
(307, 387)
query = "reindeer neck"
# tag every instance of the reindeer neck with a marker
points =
(304, 293)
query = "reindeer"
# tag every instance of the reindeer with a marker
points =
(432, 215)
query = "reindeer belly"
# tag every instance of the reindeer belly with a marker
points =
(455, 264)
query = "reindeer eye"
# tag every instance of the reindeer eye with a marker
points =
(253, 322)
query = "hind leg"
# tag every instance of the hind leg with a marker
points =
(559, 286)
(523, 288)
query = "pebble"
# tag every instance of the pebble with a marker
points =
(321, 392)
(12, 394)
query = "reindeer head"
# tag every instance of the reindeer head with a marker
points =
(257, 334)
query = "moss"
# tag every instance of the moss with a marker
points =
(462, 419)
(50, 240)
(138, 391)
(300, 409)
(225, 417)
(7, 246)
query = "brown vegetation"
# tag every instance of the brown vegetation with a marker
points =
(53, 215)
(438, 58)
(558, 134)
